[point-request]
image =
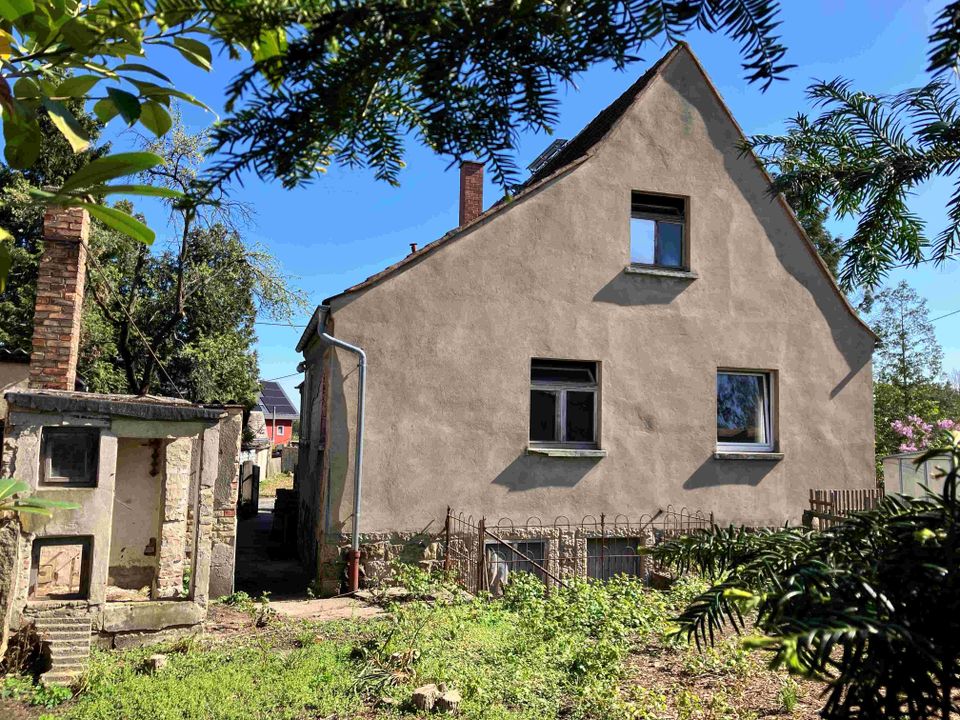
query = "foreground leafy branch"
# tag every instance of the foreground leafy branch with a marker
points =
(869, 605)
(10, 489)
(355, 79)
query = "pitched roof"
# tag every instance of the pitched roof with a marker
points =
(577, 151)
(595, 130)
(273, 397)
(13, 355)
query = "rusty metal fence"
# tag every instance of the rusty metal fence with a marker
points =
(482, 554)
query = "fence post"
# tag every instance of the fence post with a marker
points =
(603, 547)
(481, 560)
(446, 549)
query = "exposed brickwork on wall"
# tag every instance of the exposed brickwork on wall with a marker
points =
(471, 191)
(60, 283)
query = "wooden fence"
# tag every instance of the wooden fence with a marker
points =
(829, 507)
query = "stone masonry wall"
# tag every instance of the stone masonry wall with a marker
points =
(173, 527)
(565, 551)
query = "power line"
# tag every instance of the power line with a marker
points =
(133, 323)
(282, 377)
(278, 324)
(941, 317)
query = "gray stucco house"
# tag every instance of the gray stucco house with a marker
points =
(641, 325)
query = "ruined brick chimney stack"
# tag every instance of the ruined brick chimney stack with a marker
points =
(471, 191)
(56, 315)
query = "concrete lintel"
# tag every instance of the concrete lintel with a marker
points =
(153, 615)
(20, 418)
(113, 405)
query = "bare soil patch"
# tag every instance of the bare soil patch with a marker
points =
(677, 682)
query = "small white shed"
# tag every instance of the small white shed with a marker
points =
(902, 476)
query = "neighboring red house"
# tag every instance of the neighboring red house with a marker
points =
(277, 409)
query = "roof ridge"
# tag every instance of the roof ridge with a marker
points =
(561, 162)
(577, 150)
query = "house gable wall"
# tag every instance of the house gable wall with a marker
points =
(450, 338)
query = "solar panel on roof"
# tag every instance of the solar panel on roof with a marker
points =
(273, 398)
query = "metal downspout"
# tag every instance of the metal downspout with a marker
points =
(354, 566)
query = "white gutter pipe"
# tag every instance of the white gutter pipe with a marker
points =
(327, 339)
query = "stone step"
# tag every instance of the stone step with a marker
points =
(63, 655)
(63, 628)
(74, 642)
(62, 622)
(60, 639)
(71, 665)
(69, 640)
(59, 678)
(56, 650)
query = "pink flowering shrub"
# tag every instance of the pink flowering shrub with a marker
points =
(918, 434)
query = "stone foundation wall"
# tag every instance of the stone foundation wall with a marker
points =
(377, 552)
(565, 551)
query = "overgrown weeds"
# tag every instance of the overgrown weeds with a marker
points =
(28, 691)
(569, 654)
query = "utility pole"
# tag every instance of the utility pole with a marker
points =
(273, 431)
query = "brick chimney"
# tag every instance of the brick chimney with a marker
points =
(56, 315)
(471, 191)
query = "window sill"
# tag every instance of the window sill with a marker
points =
(660, 272)
(566, 452)
(763, 456)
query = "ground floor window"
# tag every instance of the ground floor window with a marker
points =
(744, 411)
(563, 403)
(609, 557)
(60, 568)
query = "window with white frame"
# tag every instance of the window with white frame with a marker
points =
(744, 411)
(279, 429)
(563, 403)
(657, 231)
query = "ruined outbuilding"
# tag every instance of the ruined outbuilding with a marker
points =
(155, 480)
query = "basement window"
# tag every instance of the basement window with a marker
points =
(60, 568)
(563, 403)
(609, 557)
(69, 456)
(512, 556)
(657, 231)
(744, 411)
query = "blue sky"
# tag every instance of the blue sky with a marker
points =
(346, 226)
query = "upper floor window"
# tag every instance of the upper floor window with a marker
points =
(563, 403)
(744, 411)
(657, 231)
(69, 455)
